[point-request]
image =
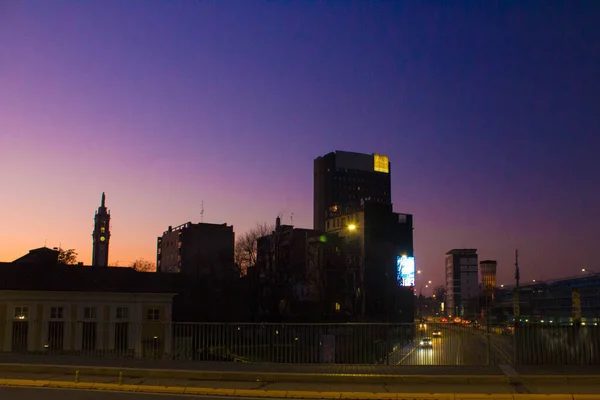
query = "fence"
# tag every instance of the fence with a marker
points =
(350, 343)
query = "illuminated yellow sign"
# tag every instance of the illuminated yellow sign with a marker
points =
(381, 163)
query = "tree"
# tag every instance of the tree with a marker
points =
(245, 246)
(142, 265)
(440, 292)
(67, 257)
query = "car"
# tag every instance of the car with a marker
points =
(437, 333)
(426, 342)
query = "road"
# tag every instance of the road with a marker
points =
(66, 394)
(458, 345)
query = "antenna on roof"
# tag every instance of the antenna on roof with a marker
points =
(45, 240)
(202, 211)
(292, 219)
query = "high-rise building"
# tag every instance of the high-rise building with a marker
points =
(197, 250)
(487, 271)
(101, 235)
(344, 180)
(462, 289)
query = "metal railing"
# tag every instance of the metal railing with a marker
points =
(442, 344)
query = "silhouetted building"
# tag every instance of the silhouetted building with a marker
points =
(383, 237)
(101, 235)
(281, 273)
(200, 250)
(43, 255)
(342, 180)
(462, 289)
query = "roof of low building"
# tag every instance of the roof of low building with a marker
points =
(79, 278)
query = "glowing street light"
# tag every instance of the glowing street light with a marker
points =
(351, 227)
(589, 271)
(419, 271)
(429, 282)
(501, 285)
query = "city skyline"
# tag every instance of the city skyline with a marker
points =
(490, 133)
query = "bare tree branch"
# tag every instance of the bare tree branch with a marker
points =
(245, 245)
(142, 265)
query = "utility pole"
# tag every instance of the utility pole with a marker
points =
(516, 304)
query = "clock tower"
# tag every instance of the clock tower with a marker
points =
(101, 235)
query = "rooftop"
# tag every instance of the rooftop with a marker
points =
(78, 278)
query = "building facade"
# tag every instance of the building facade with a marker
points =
(343, 180)
(74, 309)
(283, 285)
(199, 250)
(101, 235)
(487, 273)
(462, 287)
(383, 237)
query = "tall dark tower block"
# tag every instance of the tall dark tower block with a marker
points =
(344, 180)
(101, 235)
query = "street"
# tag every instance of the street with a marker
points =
(67, 394)
(457, 345)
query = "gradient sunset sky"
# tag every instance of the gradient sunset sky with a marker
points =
(490, 116)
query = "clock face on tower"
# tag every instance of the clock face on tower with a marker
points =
(102, 238)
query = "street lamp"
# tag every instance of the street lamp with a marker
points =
(589, 270)
(351, 227)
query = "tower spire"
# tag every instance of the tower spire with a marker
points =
(103, 200)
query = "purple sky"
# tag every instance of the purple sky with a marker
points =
(490, 117)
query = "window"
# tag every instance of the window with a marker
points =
(21, 312)
(122, 313)
(153, 314)
(56, 313)
(89, 313)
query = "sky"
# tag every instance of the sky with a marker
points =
(489, 112)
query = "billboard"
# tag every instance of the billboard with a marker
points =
(405, 267)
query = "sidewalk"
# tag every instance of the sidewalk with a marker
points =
(304, 390)
(300, 373)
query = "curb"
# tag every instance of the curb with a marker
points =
(253, 376)
(279, 394)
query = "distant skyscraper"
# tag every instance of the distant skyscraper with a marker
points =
(487, 271)
(461, 281)
(343, 180)
(101, 235)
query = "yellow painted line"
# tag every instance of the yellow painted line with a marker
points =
(24, 382)
(300, 394)
(291, 394)
(161, 389)
(115, 387)
(261, 393)
(368, 396)
(71, 385)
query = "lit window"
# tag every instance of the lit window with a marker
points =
(122, 313)
(89, 313)
(153, 314)
(337, 307)
(56, 313)
(21, 312)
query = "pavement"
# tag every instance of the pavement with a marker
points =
(50, 387)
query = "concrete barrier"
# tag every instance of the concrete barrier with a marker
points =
(292, 394)
(246, 376)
